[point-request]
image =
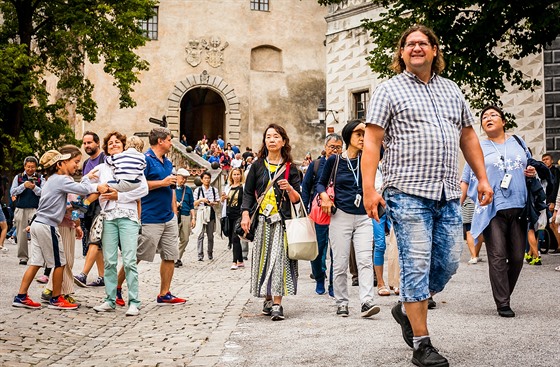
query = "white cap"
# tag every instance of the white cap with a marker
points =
(183, 172)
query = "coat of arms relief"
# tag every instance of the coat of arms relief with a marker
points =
(214, 51)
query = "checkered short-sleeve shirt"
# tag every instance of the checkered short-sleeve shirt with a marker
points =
(422, 124)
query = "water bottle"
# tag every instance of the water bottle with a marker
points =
(75, 215)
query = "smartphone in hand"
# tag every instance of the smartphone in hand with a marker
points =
(380, 210)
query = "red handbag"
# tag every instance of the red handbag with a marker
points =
(316, 214)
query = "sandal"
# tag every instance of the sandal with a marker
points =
(383, 291)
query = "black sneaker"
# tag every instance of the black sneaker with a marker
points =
(355, 283)
(431, 303)
(369, 309)
(23, 262)
(267, 307)
(506, 311)
(426, 355)
(342, 310)
(277, 313)
(178, 263)
(403, 321)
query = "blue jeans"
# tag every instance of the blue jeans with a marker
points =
(125, 231)
(379, 240)
(319, 265)
(429, 238)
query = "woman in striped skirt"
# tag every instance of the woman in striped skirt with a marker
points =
(273, 274)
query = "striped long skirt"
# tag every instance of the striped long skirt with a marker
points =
(272, 273)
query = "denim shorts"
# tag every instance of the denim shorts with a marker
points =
(429, 238)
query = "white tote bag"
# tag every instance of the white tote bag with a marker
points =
(301, 236)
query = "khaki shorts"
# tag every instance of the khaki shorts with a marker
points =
(161, 238)
(46, 246)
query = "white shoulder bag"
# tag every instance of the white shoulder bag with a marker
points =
(301, 236)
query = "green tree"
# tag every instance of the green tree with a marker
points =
(480, 39)
(39, 38)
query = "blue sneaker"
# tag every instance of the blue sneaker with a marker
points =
(331, 291)
(320, 287)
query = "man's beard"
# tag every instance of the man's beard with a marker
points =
(91, 152)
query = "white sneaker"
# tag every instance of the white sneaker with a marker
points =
(473, 260)
(132, 311)
(104, 307)
(234, 267)
(479, 259)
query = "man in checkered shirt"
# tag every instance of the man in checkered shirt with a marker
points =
(423, 119)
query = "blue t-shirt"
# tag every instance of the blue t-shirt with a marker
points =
(499, 159)
(188, 201)
(156, 206)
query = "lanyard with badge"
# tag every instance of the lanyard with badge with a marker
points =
(356, 174)
(507, 177)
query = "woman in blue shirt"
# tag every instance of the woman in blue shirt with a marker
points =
(349, 222)
(505, 233)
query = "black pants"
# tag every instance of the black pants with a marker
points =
(234, 240)
(505, 239)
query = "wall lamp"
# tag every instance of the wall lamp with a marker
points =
(324, 113)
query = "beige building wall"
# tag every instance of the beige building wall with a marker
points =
(348, 44)
(268, 66)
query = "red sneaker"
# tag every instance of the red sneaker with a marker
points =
(170, 300)
(25, 302)
(119, 301)
(61, 303)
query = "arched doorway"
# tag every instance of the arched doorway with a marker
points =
(231, 116)
(202, 113)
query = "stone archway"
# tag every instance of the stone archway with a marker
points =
(232, 119)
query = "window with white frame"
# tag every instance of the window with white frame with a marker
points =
(261, 5)
(149, 26)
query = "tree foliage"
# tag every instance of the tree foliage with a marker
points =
(481, 40)
(40, 38)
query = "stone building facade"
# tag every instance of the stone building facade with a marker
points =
(552, 97)
(350, 81)
(225, 68)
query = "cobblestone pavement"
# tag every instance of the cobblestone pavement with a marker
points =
(222, 325)
(193, 334)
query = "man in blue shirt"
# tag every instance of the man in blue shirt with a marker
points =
(185, 211)
(159, 224)
(220, 142)
(333, 145)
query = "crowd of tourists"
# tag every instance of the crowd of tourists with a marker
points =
(394, 175)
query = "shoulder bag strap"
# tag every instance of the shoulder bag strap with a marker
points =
(332, 179)
(279, 173)
(184, 192)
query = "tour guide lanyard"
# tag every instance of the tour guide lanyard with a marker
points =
(502, 157)
(356, 171)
